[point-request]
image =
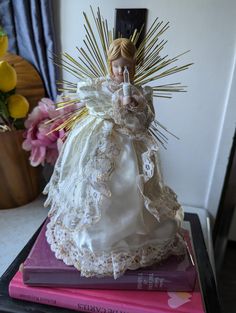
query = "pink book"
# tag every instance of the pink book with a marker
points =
(41, 268)
(117, 301)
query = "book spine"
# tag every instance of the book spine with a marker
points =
(70, 301)
(185, 281)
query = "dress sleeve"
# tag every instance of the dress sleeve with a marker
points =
(94, 94)
(150, 111)
(89, 90)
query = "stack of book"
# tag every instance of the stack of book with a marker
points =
(172, 286)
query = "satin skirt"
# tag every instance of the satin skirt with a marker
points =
(110, 210)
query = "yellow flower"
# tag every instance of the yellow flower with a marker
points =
(18, 106)
(3, 44)
(7, 77)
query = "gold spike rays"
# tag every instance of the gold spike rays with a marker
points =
(92, 62)
(69, 119)
(73, 118)
(150, 66)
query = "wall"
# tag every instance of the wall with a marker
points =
(204, 117)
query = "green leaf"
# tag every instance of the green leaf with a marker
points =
(2, 31)
(19, 123)
(3, 109)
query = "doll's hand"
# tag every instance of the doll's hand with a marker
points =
(130, 102)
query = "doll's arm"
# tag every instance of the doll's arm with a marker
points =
(135, 112)
(141, 104)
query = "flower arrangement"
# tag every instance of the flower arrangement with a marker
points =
(41, 137)
(13, 107)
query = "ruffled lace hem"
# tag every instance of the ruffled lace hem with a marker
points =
(115, 262)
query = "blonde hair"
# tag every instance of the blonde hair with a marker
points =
(121, 47)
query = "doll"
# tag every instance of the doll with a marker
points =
(110, 210)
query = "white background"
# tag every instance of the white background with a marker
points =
(204, 117)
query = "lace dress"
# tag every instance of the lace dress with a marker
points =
(110, 210)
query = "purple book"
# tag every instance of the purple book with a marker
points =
(41, 268)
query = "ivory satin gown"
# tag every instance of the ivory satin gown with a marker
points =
(110, 210)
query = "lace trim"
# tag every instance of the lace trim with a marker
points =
(97, 174)
(113, 263)
(165, 205)
(97, 193)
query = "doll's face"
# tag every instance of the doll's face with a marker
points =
(118, 67)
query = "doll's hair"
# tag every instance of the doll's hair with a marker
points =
(121, 47)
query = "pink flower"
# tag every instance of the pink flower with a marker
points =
(44, 147)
